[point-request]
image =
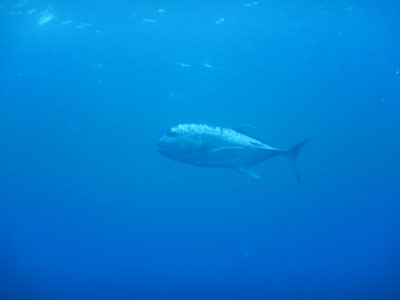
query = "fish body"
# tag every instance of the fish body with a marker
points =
(209, 146)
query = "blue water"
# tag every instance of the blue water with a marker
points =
(90, 210)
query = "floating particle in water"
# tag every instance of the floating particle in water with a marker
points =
(65, 22)
(397, 72)
(31, 11)
(177, 96)
(149, 20)
(209, 66)
(251, 4)
(83, 25)
(45, 17)
(220, 21)
(183, 65)
(19, 5)
(161, 11)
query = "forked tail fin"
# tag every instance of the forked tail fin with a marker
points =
(293, 154)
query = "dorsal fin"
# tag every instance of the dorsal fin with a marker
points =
(245, 129)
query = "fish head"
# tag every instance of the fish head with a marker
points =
(177, 145)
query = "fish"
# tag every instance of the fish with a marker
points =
(221, 147)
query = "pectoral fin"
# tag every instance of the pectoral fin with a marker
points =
(249, 172)
(227, 148)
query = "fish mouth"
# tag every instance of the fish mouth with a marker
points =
(160, 146)
(165, 147)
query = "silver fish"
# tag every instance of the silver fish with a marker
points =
(208, 146)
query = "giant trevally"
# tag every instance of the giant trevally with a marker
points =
(232, 148)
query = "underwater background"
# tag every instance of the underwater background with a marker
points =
(90, 210)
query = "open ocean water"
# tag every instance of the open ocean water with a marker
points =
(90, 210)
